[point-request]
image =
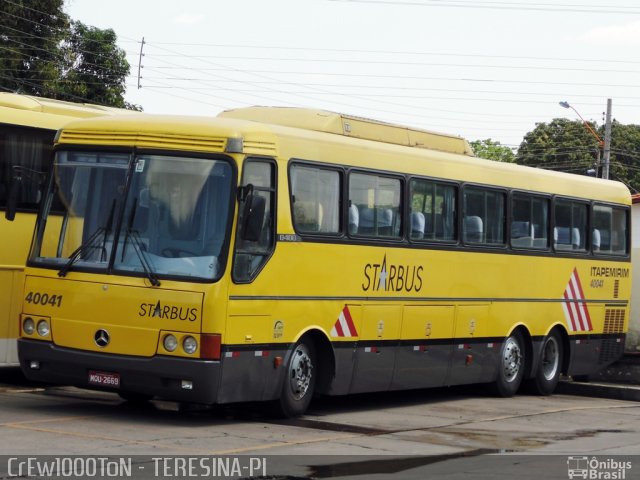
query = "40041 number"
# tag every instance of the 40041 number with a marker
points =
(38, 298)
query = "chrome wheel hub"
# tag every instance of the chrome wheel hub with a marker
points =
(511, 359)
(300, 372)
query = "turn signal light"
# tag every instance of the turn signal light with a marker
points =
(210, 346)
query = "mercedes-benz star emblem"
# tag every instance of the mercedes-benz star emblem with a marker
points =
(101, 338)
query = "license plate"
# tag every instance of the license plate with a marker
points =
(104, 379)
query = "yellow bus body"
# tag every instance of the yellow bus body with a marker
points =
(39, 115)
(441, 315)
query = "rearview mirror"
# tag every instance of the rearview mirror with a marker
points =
(252, 217)
(14, 192)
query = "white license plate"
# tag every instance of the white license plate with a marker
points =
(104, 379)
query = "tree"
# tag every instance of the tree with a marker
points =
(568, 146)
(492, 150)
(30, 37)
(562, 144)
(48, 54)
(94, 67)
(625, 154)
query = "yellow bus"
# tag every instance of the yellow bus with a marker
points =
(27, 129)
(271, 254)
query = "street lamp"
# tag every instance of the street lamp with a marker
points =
(604, 144)
(586, 124)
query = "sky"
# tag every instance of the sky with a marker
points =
(475, 68)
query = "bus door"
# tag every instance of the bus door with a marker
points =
(251, 332)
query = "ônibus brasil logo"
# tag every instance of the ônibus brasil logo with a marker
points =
(595, 468)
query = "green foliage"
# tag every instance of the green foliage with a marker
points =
(625, 154)
(94, 66)
(30, 36)
(492, 150)
(562, 144)
(568, 146)
(47, 54)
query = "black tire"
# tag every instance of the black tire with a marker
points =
(511, 365)
(549, 368)
(299, 380)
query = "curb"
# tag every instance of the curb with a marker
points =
(614, 391)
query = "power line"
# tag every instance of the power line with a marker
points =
(541, 7)
(389, 62)
(342, 51)
(54, 54)
(47, 14)
(395, 77)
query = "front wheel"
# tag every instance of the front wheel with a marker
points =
(299, 380)
(511, 364)
(549, 366)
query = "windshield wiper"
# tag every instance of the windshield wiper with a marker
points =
(142, 256)
(84, 247)
(90, 243)
(138, 247)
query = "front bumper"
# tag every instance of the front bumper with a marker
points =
(157, 376)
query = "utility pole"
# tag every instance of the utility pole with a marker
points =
(607, 142)
(140, 66)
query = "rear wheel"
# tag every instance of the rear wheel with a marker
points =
(510, 366)
(299, 380)
(550, 366)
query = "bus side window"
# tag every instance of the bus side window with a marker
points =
(570, 230)
(484, 216)
(377, 199)
(251, 255)
(30, 149)
(315, 199)
(609, 233)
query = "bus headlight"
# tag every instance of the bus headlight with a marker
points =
(189, 345)
(170, 343)
(28, 326)
(43, 328)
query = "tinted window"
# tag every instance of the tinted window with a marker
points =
(530, 221)
(251, 254)
(570, 231)
(29, 148)
(315, 199)
(374, 205)
(433, 211)
(609, 234)
(484, 216)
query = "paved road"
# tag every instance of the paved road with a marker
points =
(445, 432)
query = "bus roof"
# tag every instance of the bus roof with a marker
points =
(38, 112)
(191, 133)
(351, 126)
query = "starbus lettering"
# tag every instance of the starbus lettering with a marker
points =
(392, 277)
(168, 312)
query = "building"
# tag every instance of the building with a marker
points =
(633, 338)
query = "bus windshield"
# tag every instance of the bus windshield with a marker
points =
(170, 219)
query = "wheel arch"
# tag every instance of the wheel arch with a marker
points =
(325, 357)
(534, 351)
(566, 346)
